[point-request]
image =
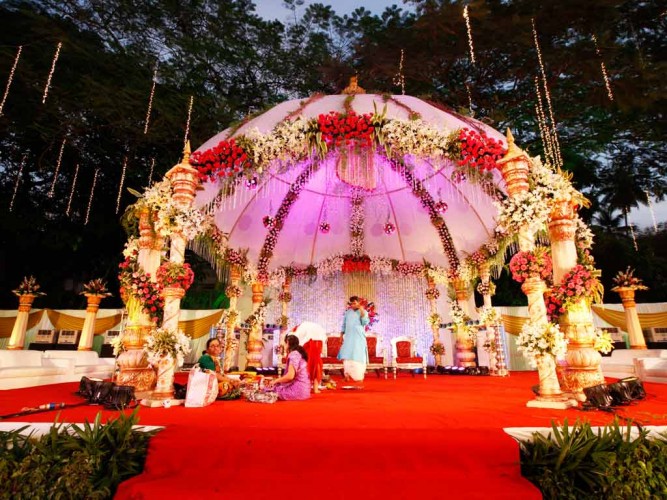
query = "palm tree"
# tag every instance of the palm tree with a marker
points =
(608, 219)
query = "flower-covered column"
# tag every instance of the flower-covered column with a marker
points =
(465, 333)
(17, 340)
(88, 330)
(233, 291)
(432, 294)
(150, 245)
(285, 297)
(255, 343)
(583, 361)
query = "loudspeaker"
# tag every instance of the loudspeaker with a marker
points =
(120, 397)
(627, 390)
(599, 396)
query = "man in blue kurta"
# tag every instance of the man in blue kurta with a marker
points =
(354, 351)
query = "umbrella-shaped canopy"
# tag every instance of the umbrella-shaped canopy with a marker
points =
(395, 218)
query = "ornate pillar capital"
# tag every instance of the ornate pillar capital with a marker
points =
(514, 167)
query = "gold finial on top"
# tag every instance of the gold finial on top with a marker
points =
(513, 151)
(353, 88)
(186, 153)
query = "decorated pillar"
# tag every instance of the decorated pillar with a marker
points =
(583, 361)
(432, 294)
(634, 328)
(285, 297)
(17, 340)
(465, 332)
(150, 245)
(88, 330)
(485, 287)
(233, 291)
(255, 343)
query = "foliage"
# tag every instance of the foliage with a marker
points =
(577, 462)
(96, 287)
(87, 461)
(28, 286)
(627, 279)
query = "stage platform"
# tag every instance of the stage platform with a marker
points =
(408, 438)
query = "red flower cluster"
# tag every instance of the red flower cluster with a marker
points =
(523, 265)
(174, 275)
(479, 151)
(227, 159)
(339, 129)
(579, 283)
(554, 307)
(356, 264)
(372, 312)
(136, 283)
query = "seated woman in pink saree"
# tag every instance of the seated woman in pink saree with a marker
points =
(294, 385)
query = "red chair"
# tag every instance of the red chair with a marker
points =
(376, 358)
(404, 356)
(330, 351)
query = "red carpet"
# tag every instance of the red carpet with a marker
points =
(410, 438)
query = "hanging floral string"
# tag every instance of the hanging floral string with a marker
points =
(53, 69)
(150, 100)
(55, 174)
(607, 82)
(10, 79)
(71, 193)
(18, 181)
(122, 182)
(399, 78)
(187, 123)
(92, 192)
(466, 16)
(547, 95)
(150, 174)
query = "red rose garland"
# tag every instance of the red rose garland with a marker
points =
(479, 151)
(353, 264)
(136, 283)
(227, 159)
(170, 274)
(340, 129)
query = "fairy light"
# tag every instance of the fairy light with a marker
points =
(472, 48)
(53, 69)
(472, 113)
(18, 181)
(542, 123)
(650, 207)
(150, 174)
(92, 192)
(10, 79)
(120, 186)
(607, 82)
(558, 160)
(399, 78)
(187, 123)
(55, 174)
(150, 100)
(71, 193)
(634, 237)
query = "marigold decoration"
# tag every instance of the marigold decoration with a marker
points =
(627, 279)
(524, 265)
(389, 228)
(432, 293)
(227, 159)
(437, 349)
(172, 274)
(233, 291)
(163, 342)
(268, 221)
(536, 339)
(136, 286)
(603, 341)
(28, 286)
(325, 227)
(96, 287)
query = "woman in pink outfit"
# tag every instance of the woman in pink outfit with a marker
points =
(294, 384)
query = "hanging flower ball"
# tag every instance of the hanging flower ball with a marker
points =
(251, 183)
(389, 228)
(441, 207)
(458, 177)
(268, 221)
(325, 227)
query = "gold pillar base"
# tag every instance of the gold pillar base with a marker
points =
(639, 347)
(84, 349)
(15, 348)
(142, 379)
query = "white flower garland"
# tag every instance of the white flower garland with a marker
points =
(538, 339)
(166, 342)
(414, 137)
(381, 265)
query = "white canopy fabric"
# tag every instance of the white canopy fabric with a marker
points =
(326, 199)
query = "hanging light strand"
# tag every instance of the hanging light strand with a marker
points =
(466, 16)
(150, 174)
(607, 82)
(71, 193)
(58, 163)
(187, 123)
(650, 207)
(150, 100)
(634, 237)
(18, 181)
(544, 128)
(92, 193)
(10, 79)
(399, 78)
(553, 132)
(53, 69)
(122, 182)
(472, 113)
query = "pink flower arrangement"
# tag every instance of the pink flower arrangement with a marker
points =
(173, 275)
(580, 283)
(523, 265)
(136, 284)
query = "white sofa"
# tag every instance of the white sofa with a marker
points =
(86, 363)
(30, 368)
(23, 368)
(652, 369)
(621, 363)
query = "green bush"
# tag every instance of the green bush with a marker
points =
(71, 461)
(576, 462)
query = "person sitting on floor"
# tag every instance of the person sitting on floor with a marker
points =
(210, 361)
(295, 383)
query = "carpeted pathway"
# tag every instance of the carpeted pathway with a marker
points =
(410, 438)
